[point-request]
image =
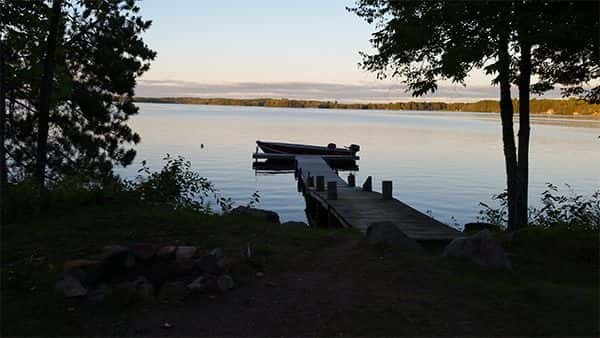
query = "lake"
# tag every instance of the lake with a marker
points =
(443, 163)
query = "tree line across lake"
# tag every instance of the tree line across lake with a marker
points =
(542, 106)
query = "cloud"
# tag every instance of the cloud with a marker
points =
(371, 92)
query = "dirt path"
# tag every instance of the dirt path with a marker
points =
(295, 303)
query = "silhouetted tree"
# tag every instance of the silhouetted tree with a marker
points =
(425, 41)
(71, 72)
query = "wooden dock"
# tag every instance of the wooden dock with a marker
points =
(343, 204)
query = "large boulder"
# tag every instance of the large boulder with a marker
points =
(69, 286)
(143, 251)
(87, 271)
(267, 215)
(388, 233)
(295, 224)
(481, 248)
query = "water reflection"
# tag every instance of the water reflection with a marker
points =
(439, 161)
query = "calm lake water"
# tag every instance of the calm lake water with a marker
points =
(440, 162)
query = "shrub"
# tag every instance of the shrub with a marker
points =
(177, 186)
(569, 210)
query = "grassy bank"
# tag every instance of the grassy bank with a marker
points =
(541, 106)
(355, 288)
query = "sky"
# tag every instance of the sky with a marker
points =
(305, 49)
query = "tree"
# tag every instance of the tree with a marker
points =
(423, 42)
(71, 73)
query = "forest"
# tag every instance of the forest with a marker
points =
(537, 106)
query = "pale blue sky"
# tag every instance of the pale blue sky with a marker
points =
(237, 48)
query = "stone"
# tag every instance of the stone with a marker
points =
(185, 253)
(208, 265)
(69, 286)
(217, 252)
(267, 215)
(117, 259)
(260, 274)
(99, 294)
(481, 248)
(173, 292)
(295, 224)
(85, 270)
(388, 233)
(166, 252)
(144, 290)
(198, 285)
(143, 251)
(225, 283)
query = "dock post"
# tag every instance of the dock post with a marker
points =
(351, 180)
(368, 185)
(320, 183)
(386, 189)
(310, 181)
(332, 190)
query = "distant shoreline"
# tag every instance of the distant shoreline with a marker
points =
(570, 107)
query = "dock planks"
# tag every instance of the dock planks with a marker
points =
(359, 209)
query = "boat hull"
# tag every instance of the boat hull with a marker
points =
(301, 149)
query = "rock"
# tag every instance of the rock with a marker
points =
(173, 292)
(198, 285)
(143, 251)
(267, 215)
(117, 259)
(86, 271)
(181, 267)
(99, 294)
(112, 250)
(217, 252)
(166, 252)
(260, 274)
(208, 265)
(144, 290)
(295, 224)
(225, 283)
(185, 252)
(70, 286)
(481, 248)
(388, 233)
(478, 226)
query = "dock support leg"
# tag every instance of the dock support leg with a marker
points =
(386, 190)
(351, 180)
(368, 185)
(332, 193)
(320, 183)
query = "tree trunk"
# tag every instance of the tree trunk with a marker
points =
(3, 173)
(45, 92)
(508, 134)
(524, 132)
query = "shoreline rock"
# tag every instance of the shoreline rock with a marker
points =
(267, 215)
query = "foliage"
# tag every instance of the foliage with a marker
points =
(177, 186)
(99, 56)
(538, 106)
(568, 210)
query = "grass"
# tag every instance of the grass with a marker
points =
(552, 290)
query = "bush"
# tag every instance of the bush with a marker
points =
(177, 186)
(566, 210)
